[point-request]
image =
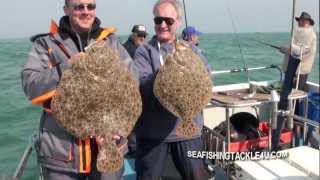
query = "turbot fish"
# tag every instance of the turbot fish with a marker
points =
(98, 96)
(184, 87)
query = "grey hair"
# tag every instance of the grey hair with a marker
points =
(66, 2)
(175, 3)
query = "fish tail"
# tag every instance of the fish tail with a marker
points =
(187, 128)
(109, 158)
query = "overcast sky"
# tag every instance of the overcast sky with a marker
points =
(20, 18)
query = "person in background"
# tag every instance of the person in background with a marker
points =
(304, 47)
(136, 39)
(61, 155)
(297, 64)
(155, 129)
(191, 34)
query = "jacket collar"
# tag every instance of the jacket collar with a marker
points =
(66, 31)
(165, 47)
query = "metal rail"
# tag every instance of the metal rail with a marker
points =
(306, 120)
(272, 66)
(24, 159)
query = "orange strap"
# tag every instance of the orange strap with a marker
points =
(47, 110)
(45, 97)
(85, 156)
(71, 152)
(53, 27)
(105, 33)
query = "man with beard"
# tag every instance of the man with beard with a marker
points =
(61, 155)
(303, 48)
(136, 39)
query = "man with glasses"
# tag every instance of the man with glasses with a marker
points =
(136, 39)
(63, 156)
(155, 130)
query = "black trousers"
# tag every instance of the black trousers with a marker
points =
(152, 157)
(49, 174)
(288, 84)
(132, 145)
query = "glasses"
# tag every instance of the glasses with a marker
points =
(141, 35)
(80, 7)
(158, 20)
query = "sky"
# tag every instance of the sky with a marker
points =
(20, 18)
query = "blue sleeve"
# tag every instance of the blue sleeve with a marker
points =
(142, 62)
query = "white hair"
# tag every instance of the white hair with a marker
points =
(175, 3)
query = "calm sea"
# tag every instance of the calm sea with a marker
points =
(19, 119)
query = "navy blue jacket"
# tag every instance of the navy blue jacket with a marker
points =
(130, 46)
(157, 123)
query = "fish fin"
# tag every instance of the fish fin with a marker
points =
(109, 158)
(187, 128)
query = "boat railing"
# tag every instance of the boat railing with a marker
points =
(238, 70)
(25, 157)
(307, 125)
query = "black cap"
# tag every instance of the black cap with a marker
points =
(305, 15)
(140, 30)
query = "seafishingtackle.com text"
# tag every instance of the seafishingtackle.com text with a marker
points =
(237, 156)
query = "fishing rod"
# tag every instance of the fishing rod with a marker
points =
(238, 41)
(185, 13)
(299, 66)
(185, 18)
(270, 45)
(264, 43)
(292, 23)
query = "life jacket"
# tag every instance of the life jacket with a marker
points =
(45, 99)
